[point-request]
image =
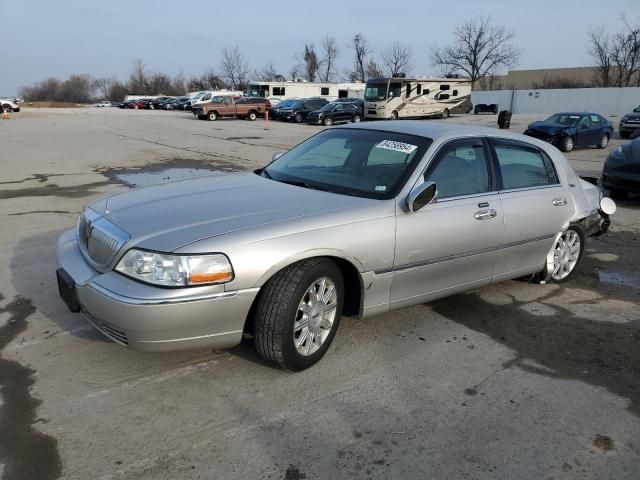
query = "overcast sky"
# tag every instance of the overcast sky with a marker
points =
(44, 38)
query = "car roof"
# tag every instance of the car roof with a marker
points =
(430, 128)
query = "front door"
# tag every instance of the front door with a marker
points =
(450, 244)
(587, 134)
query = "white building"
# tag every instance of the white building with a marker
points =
(290, 89)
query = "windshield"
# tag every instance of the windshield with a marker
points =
(286, 103)
(637, 109)
(375, 91)
(563, 119)
(363, 163)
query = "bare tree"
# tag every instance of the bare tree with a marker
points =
(361, 50)
(373, 70)
(103, 85)
(308, 63)
(138, 78)
(397, 59)
(330, 52)
(625, 54)
(235, 67)
(600, 51)
(117, 91)
(479, 49)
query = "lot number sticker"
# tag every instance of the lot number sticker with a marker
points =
(396, 146)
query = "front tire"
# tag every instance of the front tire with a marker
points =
(252, 116)
(298, 118)
(445, 114)
(624, 134)
(567, 144)
(394, 115)
(356, 118)
(327, 122)
(212, 116)
(298, 313)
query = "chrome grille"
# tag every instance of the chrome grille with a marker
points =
(99, 238)
(107, 330)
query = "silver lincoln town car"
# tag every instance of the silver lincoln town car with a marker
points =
(355, 221)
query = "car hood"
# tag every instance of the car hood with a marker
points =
(632, 116)
(547, 127)
(168, 216)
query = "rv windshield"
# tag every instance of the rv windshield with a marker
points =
(375, 91)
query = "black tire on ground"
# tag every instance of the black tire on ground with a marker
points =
(277, 307)
(445, 113)
(355, 119)
(624, 134)
(7, 108)
(212, 116)
(604, 141)
(475, 111)
(394, 115)
(567, 144)
(298, 118)
(252, 116)
(327, 122)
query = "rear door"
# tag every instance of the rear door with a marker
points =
(450, 245)
(536, 204)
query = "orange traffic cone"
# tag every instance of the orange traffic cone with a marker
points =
(5, 115)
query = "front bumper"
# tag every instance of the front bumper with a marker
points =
(629, 127)
(596, 224)
(149, 318)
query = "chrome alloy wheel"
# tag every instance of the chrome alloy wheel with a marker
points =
(566, 254)
(315, 316)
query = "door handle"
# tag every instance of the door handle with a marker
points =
(558, 202)
(485, 214)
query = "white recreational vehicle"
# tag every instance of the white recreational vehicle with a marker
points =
(281, 90)
(416, 97)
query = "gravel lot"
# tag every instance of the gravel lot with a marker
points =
(511, 381)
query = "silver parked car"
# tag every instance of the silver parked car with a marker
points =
(354, 221)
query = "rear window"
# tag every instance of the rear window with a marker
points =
(522, 166)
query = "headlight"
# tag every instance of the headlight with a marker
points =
(175, 270)
(624, 119)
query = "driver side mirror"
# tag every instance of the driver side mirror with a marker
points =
(276, 155)
(422, 195)
(391, 95)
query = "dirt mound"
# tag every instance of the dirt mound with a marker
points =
(49, 105)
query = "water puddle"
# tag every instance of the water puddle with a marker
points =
(144, 178)
(620, 279)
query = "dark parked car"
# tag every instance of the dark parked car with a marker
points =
(569, 130)
(486, 108)
(157, 103)
(335, 112)
(274, 112)
(298, 111)
(630, 123)
(358, 102)
(621, 171)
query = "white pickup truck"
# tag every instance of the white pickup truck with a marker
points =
(9, 105)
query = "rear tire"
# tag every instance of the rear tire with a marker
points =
(252, 116)
(327, 122)
(394, 115)
(603, 142)
(356, 118)
(445, 114)
(281, 308)
(568, 253)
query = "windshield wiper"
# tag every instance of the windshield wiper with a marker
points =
(264, 173)
(298, 183)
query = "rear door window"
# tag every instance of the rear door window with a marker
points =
(523, 166)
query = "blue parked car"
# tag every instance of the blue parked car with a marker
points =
(569, 130)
